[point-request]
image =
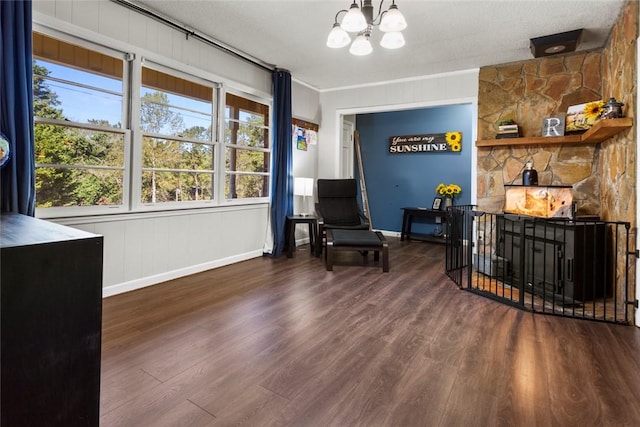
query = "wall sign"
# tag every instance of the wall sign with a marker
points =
(427, 143)
(553, 126)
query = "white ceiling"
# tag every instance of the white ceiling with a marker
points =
(442, 35)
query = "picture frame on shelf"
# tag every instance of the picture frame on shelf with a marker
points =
(437, 202)
(553, 126)
(582, 116)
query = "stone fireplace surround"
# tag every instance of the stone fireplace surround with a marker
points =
(603, 174)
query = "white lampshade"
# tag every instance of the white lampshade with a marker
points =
(338, 37)
(303, 187)
(392, 40)
(354, 21)
(393, 20)
(361, 46)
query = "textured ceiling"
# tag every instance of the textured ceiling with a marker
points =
(442, 36)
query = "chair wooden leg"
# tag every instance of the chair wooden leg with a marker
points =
(328, 253)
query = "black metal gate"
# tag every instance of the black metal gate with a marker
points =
(582, 268)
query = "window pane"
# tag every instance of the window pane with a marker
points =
(247, 160)
(243, 109)
(252, 118)
(174, 115)
(75, 84)
(246, 186)
(66, 93)
(172, 154)
(64, 145)
(238, 133)
(56, 187)
(158, 187)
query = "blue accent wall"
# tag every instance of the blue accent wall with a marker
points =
(402, 180)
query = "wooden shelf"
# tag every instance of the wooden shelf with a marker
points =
(599, 132)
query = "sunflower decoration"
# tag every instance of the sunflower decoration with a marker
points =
(593, 110)
(454, 139)
(448, 190)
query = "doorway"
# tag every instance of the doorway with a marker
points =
(346, 144)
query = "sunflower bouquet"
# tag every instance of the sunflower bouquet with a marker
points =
(448, 190)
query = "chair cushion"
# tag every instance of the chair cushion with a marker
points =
(355, 238)
(340, 211)
(332, 188)
(338, 203)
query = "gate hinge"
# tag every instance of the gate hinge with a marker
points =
(635, 303)
(636, 253)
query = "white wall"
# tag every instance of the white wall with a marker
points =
(142, 249)
(442, 89)
(145, 249)
(306, 106)
(121, 28)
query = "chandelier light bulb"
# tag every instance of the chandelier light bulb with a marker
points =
(354, 21)
(361, 19)
(338, 37)
(392, 40)
(361, 46)
(393, 20)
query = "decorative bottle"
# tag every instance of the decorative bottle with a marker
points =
(530, 175)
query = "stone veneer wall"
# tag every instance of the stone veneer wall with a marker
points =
(618, 154)
(602, 175)
(528, 92)
(618, 182)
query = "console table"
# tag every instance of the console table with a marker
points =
(407, 222)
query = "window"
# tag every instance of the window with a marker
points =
(247, 148)
(115, 132)
(80, 151)
(177, 124)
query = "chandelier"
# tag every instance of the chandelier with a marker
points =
(360, 19)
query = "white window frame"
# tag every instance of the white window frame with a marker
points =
(133, 60)
(65, 211)
(224, 145)
(136, 193)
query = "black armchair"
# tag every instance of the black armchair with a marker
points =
(338, 208)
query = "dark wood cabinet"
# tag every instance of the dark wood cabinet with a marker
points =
(51, 302)
(561, 259)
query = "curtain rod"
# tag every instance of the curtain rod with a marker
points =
(190, 33)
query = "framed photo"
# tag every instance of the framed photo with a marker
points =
(436, 203)
(581, 117)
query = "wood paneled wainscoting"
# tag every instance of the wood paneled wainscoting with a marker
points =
(284, 342)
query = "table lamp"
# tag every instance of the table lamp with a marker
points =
(303, 187)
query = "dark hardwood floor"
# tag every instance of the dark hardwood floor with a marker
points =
(286, 343)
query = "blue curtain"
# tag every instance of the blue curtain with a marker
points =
(17, 177)
(282, 182)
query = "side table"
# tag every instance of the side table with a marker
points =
(292, 221)
(407, 222)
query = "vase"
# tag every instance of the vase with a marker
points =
(448, 202)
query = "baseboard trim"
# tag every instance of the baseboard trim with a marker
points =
(144, 282)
